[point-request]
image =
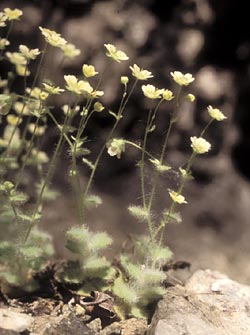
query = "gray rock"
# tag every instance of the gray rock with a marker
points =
(209, 304)
(67, 323)
(12, 322)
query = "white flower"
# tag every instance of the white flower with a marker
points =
(159, 167)
(117, 55)
(74, 85)
(89, 70)
(16, 58)
(36, 130)
(124, 80)
(116, 147)
(52, 89)
(3, 43)
(200, 145)
(151, 92)
(216, 114)
(13, 14)
(70, 51)
(3, 18)
(22, 70)
(190, 97)
(140, 74)
(28, 53)
(167, 95)
(176, 197)
(98, 107)
(53, 38)
(13, 120)
(182, 79)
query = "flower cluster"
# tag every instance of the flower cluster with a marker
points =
(81, 87)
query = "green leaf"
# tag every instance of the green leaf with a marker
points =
(34, 257)
(25, 217)
(100, 241)
(160, 254)
(19, 198)
(2, 188)
(92, 201)
(139, 212)
(82, 152)
(77, 239)
(95, 267)
(150, 277)
(150, 294)
(48, 193)
(171, 217)
(132, 270)
(88, 163)
(8, 185)
(124, 291)
(113, 114)
(160, 167)
(42, 240)
(71, 273)
(138, 312)
(7, 251)
(11, 278)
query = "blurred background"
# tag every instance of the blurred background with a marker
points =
(209, 39)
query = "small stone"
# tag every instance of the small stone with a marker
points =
(12, 322)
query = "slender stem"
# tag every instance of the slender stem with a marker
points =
(48, 176)
(59, 127)
(79, 195)
(39, 65)
(45, 183)
(97, 161)
(77, 185)
(140, 148)
(142, 162)
(7, 36)
(206, 127)
(163, 151)
(161, 228)
(123, 104)
(13, 209)
(190, 162)
(20, 173)
(84, 119)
